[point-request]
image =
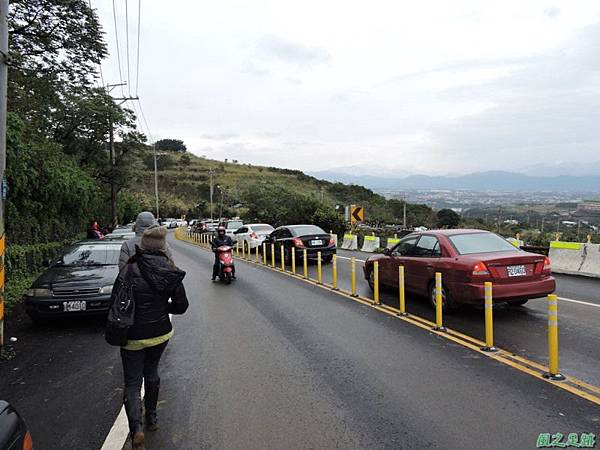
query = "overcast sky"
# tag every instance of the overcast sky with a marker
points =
(396, 86)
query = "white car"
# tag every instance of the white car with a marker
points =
(231, 226)
(181, 222)
(252, 235)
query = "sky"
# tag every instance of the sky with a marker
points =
(379, 87)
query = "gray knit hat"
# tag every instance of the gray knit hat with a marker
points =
(154, 238)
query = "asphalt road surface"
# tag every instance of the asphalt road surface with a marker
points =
(271, 362)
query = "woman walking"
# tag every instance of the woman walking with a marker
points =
(157, 291)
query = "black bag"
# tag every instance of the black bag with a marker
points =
(122, 309)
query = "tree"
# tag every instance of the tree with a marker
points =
(185, 160)
(329, 219)
(446, 218)
(174, 145)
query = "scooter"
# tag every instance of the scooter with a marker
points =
(225, 255)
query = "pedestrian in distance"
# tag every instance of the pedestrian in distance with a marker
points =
(143, 221)
(157, 288)
(94, 231)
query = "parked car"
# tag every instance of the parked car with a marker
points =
(78, 282)
(181, 223)
(169, 222)
(252, 235)
(301, 237)
(119, 236)
(13, 431)
(466, 259)
(231, 226)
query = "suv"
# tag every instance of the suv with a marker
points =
(231, 226)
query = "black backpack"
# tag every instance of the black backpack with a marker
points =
(121, 314)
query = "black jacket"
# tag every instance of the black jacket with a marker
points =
(218, 241)
(155, 280)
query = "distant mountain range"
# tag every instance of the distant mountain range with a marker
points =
(478, 181)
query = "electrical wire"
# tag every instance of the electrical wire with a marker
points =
(145, 121)
(118, 50)
(137, 70)
(99, 62)
(127, 46)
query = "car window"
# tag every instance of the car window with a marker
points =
(285, 233)
(90, 255)
(405, 247)
(234, 224)
(241, 230)
(466, 244)
(303, 230)
(428, 246)
(262, 228)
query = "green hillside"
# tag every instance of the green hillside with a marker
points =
(267, 193)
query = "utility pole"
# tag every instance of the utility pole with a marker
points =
(111, 150)
(543, 218)
(211, 173)
(221, 206)
(156, 181)
(404, 215)
(3, 89)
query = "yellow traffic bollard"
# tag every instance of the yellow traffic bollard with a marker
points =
(319, 268)
(243, 251)
(305, 261)
(334, 272)
(237, 248)
(264, 254)
(353, 274)
(282, 256)
(553, 373)
(589, 238)
(401, 292)
(294, 260)
(489, 319)
(272, 255)
(376, 283)
(256, 248)
(438, 303)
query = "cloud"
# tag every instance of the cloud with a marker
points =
(289, 52)
(552, 12)
(220, 136)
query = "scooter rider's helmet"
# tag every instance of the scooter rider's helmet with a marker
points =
(221, 231)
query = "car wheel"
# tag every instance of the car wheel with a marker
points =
(246, 247)
(447, 304)
(371, 279)
(518, 302)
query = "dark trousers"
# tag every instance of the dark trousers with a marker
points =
(141, 365)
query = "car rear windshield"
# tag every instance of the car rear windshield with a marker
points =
(467, 244)
(262, 228)
(303, 230)
(234, 224)
(90, 255)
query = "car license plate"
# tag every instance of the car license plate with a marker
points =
(74, 306)
(516, 271)
(316, 242)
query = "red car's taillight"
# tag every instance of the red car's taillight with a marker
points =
(298, 242)
(253, 235)
(331, 241)
(547, 265)
(480, 270)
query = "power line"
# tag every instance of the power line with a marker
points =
(117, 40)
(137, 70)
(145, 121)
(127, 43)
(99, 62)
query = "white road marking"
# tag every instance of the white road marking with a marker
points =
(345, 257)
(119, 431)
(579, 302)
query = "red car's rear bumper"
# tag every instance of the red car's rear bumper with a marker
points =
(474, 292)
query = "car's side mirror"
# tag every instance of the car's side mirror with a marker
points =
(387, 252)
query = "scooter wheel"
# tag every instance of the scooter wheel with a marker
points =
(227, 277)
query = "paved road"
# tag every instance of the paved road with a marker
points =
(272, 362)
(522, 330)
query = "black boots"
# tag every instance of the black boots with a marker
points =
(150, 401)
(133, 408)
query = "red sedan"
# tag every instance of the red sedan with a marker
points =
(466, 259)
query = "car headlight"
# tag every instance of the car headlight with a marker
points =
(36, 292)
(106, 289)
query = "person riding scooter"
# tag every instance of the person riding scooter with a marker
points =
(220, 240)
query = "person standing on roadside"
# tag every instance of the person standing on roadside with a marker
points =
(143, 221)
(94, 231)
(157, 291)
